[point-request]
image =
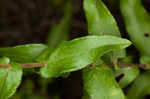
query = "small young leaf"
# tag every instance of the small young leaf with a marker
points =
(145, 60)
(4, 60)
(76, 54)
(137, 21)
(99, 83)
(10, 79)
(129, 75)
(101, 22)
(23, 53)
(141, 87)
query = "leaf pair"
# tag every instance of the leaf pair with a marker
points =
(69, 56)
(78, 53)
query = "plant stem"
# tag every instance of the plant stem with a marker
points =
(28, 65)
(32, 65)
(4, 66)
(42, 64)
(142, 66)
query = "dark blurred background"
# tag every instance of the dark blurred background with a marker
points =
(29, 21)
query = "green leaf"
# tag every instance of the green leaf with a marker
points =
(23, 53)
(101, 22)
(137, 22)
(76, 54)
(10, 79)
(99, 83)
(60, 32)
(141, 87)
(129, 75)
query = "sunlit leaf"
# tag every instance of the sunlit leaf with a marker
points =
(76, 54)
